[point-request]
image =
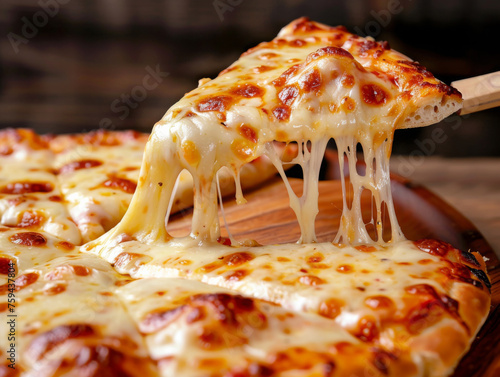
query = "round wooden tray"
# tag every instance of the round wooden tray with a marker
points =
(268, 219)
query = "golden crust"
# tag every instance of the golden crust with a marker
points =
(444, 344)
(477, 307)
(441, 348)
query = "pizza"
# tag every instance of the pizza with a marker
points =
(101, 288)
(79, 186)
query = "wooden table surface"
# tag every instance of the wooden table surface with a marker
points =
(471, 185)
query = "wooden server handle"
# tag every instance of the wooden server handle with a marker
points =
(479, 93)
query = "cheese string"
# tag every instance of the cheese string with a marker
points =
(306, 207)
(172, 199)
(231, 238)
(376, 179)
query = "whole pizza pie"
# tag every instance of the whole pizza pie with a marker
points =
(93, 284)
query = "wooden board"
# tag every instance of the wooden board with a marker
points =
(268, 219)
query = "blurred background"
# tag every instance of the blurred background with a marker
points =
(75, 65)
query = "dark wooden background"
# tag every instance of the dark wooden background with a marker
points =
(85, 54)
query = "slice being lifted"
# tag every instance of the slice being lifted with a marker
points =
(310, 84)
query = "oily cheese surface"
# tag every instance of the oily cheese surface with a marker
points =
(230, 311)
(220, 310)
(254, 309)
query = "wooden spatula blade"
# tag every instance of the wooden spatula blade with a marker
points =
(479, 93)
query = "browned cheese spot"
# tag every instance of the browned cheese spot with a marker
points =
(81, 270)
(190, 152)
(348, 104)
(262, 68)
(247, 91)
(288, 94)
(21, 282)
(311, 280)
(31, 219)
(45, 342)
(312, 81)
(54, 290)
(122, 184)
(330, 308)
(434, 247)
(379, 302)
(78, 165)
(374, 95)
(64, 245)
(6, 264)
(214, 103)
(28, 239)
(347, 80)
(297, 43)
(329, 51)
(345, 268)
(247, 132)
(26, 188)
(281, 113)
(367, 330)
(237, 275)
(123, 259)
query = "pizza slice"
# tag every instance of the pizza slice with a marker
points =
(424, 298)
(67, 319)
(30, 195)
(308, 85)
(194, 329)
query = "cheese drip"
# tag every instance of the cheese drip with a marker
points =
(376, 179)
(234, 119)
(305, 207)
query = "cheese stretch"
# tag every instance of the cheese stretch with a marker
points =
(311, 84)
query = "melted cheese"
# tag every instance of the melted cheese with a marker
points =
(304, 87)
(266, 331)
(31, 207)
(94, 206)
(274, 273)
(68, 292)
(233, 119)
